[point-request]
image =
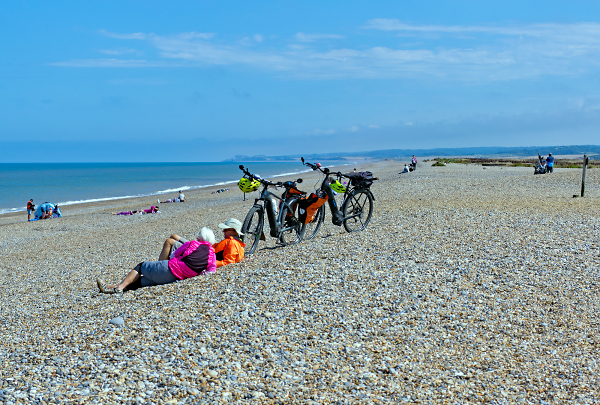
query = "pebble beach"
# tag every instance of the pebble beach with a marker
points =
(471, 284)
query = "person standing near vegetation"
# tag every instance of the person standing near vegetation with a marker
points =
(549, 163)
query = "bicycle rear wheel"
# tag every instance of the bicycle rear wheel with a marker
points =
(252, 228)
(291, 228)
(357, 210)
(309, 231)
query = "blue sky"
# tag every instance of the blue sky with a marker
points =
(203, 81)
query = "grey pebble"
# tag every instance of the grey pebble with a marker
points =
(117, 321)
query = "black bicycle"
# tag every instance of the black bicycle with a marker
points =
(357, 202)
(283, 223)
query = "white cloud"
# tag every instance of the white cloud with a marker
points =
(319, 131)
(117, 51)
(114, 63)
(499, 53)
(375, 126)
(409, 124)
(302, 37)
(137, 35)
(353, 128)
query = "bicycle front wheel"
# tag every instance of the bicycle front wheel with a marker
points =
(357, 210)
(291, 228)
(253, 228)
(309, 231)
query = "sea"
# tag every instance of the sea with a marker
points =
(75, 183)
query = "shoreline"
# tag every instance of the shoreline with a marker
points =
(160, 191)
(75, 207)
(116, 203)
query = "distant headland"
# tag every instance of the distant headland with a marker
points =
(496, 151)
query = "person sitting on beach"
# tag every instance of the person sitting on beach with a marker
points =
(46, 213)
(405, 169)
(191, 259)
(229, 250)
(181, 198)
(46, 210)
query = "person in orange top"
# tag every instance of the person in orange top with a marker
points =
(231, 248)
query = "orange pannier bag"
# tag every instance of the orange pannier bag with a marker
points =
(308, 206)
(291, 192)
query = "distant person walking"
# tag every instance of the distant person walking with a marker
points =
(549, 163)
(30, 208)
(413, 162)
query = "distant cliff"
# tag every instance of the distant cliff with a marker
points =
(590, 150)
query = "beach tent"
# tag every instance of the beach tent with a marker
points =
(55, 213)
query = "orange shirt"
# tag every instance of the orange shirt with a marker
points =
(233, 251)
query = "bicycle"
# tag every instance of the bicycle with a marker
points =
(357, 202)
(283, 223)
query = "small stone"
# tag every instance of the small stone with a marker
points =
(212, 373)
(117, 321)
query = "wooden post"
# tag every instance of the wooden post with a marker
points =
(585, 162)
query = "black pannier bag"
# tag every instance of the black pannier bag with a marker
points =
(361, 179)
(308, 206)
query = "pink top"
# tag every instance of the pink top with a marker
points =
(192, 259)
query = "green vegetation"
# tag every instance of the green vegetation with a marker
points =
(569, 166)
(530, 162)
(452, 160)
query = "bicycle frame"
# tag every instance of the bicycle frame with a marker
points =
(326, 187)
(275, 225)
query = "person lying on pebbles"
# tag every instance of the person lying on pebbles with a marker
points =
(191, 259)
(151, 210)
(229, 250)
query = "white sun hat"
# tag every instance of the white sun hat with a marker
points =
(233, 224)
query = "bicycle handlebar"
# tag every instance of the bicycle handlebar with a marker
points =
(323, 170)
(266, 182)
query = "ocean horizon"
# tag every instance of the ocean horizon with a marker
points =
(76, 183)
